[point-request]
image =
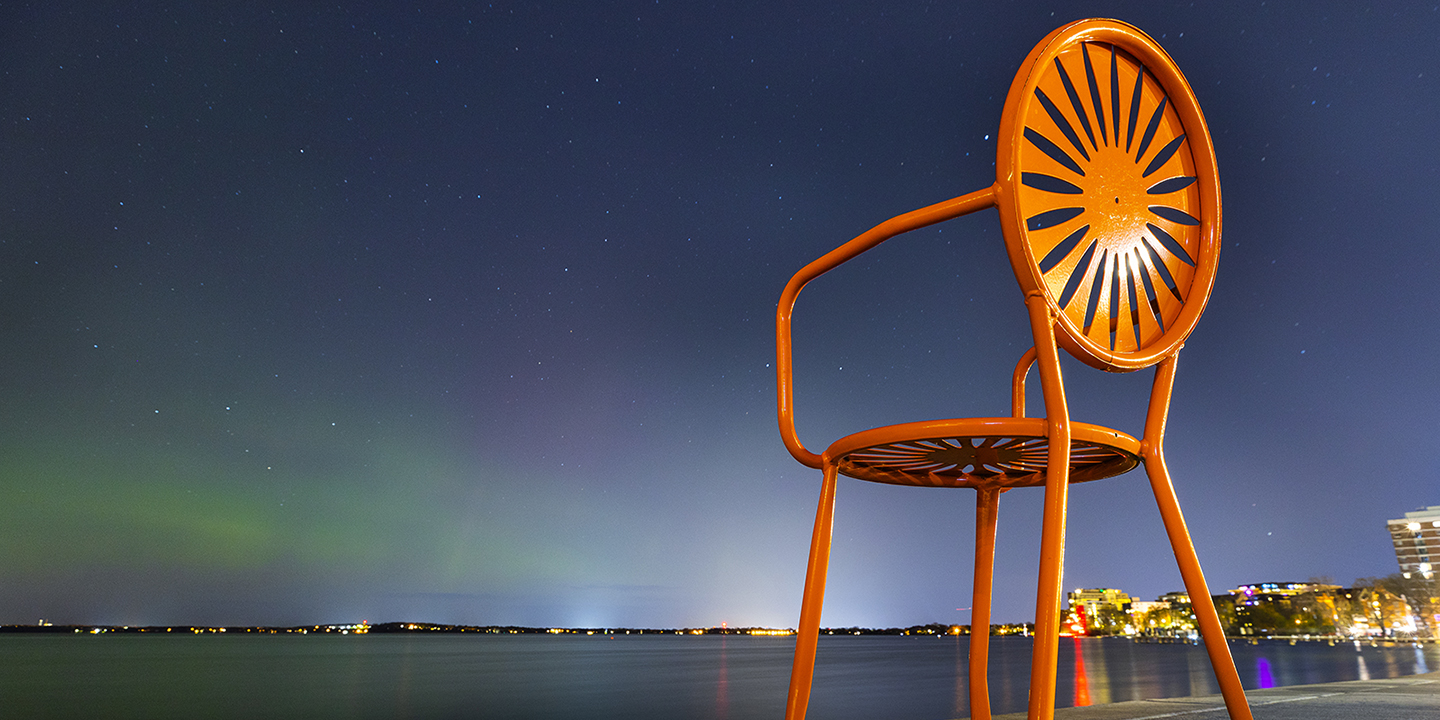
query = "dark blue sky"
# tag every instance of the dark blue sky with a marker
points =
(465, 313)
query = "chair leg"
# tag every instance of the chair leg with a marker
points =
(987, 505)
(1052, 528)
(1045, 653)
(1210, 630)
(802, 672)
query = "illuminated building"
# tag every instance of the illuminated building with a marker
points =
(1176, 599)
(1141, 607)
(1167, 616)
(1098, 608)
(1273, 591)
(1416, 536)
(1095, 598)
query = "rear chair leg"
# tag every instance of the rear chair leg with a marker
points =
(1205, 616)
(987, 505)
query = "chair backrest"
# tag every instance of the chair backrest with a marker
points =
(1108, 193)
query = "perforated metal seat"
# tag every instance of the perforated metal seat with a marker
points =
(978, 453)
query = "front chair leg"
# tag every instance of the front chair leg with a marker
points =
(1044, 654)
(808, 634)
(1205, 616)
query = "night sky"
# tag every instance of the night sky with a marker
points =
(466, 313)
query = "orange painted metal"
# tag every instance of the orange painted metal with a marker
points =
(1017, 383)
(912, 220)
(1044, 652)
(1106, 176)
(1109, 202)
(1189, 564)
(987, 510)
(802, 670)
(1005, 452)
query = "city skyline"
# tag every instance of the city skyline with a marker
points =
(466, 314)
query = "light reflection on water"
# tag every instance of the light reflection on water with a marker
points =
(1082, 682)
(961, 705)
(641, 677)
(722, 687)
(1264, 678)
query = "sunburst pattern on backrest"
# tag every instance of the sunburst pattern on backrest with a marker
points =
(1112, 194)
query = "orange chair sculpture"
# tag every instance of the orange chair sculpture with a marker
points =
(1110, 207)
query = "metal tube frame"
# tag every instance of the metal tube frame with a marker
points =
(1045, 353)
(1152, 449)
(987, 505)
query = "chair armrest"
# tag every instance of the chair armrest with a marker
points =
(1017, 383)
(913, 220)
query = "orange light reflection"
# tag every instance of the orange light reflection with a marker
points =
(1082, 684)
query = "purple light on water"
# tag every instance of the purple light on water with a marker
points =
(1262, 671)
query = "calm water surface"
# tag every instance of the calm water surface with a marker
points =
(641, 677)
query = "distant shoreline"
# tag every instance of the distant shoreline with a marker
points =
(364, 628)
(391, 628)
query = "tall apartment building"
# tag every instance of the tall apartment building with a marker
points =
(1417, 540)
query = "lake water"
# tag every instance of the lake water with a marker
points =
(639, 677)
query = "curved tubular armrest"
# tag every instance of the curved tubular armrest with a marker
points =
(1017, 383)
(915, 219)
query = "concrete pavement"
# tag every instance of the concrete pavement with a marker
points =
(1413, 697)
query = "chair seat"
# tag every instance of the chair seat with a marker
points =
(978, 452)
